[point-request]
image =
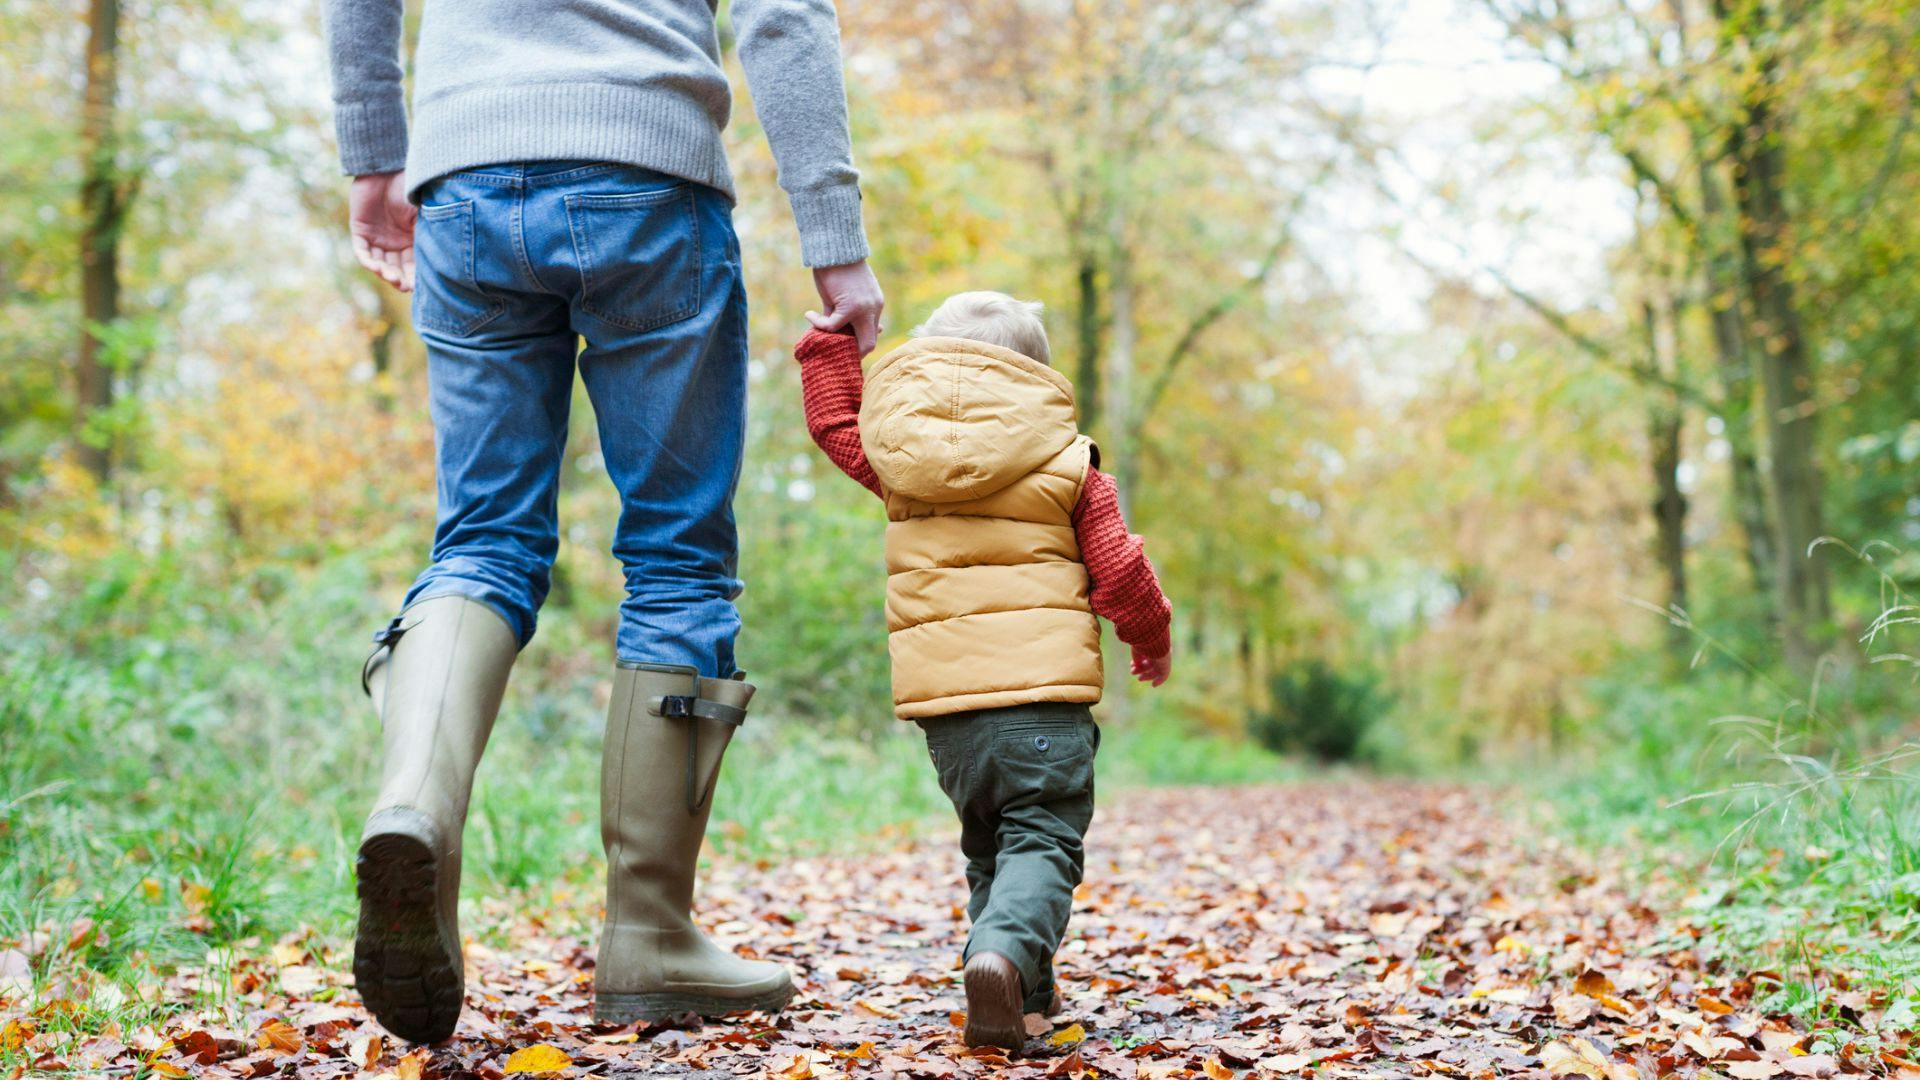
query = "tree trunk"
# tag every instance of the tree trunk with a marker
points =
(1116, 390)
(1734, 367)
(1664, 422)
(102, 211)
(1670, 517)
(1786, 375)
(1087, 333)
(1117, 381)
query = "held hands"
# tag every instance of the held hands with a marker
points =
(1152, 670)
(852, 299)
(381, 221)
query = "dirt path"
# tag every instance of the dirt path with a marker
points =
(1371, 930)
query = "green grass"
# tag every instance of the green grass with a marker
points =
(1790, 835)
(187, 768)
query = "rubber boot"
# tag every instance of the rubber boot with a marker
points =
(667, 730)
(436, 679)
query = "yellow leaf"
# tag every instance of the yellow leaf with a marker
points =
(538, 1058)
(863, 1052)
(1511, 944)
(1216, 1069)
(1068, 1036)
(167, 1069)
(880, 1011)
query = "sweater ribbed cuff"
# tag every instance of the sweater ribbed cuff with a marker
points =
(372, 136)
(830, 229)
(1157, 646)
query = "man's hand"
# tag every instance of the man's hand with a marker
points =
(381, 220)
(1152, 670)
(852, 298)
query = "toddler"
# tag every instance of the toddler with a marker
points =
(1004, 541)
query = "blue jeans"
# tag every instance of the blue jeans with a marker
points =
(516, 265)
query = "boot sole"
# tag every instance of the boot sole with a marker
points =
(993, 1006)
(406, 958)
(627, 1008)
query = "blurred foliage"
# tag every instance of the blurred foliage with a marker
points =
(1318, 711)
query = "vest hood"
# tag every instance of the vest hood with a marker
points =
(950, 419)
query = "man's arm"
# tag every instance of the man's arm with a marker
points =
(369, 105)
(791, 52)
(370, 123)
(831, 382)
(1126, 591)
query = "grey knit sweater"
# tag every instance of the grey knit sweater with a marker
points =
(633, 81)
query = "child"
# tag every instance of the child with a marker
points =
(1003, 544)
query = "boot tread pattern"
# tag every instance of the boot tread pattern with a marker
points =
(993, 1004)
(406, 963)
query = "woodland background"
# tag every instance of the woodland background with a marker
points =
(1511, 390)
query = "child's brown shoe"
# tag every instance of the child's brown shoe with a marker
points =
(993, 1003)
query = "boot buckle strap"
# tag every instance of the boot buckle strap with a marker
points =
(384, 640)
(690, 707)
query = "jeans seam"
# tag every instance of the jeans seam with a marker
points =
(520, 239)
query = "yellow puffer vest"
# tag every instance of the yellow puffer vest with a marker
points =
(981, 461)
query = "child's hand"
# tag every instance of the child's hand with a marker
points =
(1152, 670)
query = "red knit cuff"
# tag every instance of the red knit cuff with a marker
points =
(1156, 646)
(821, 345)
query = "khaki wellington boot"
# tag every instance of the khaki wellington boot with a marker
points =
(667, 730)
(436, 680)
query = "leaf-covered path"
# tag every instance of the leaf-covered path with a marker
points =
(1336, 930)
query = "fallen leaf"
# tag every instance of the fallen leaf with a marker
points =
(412, 1065)
(279, 1036)
(1574, 1057)
(366, 1050)
(537, 1059)
(1070, 1035)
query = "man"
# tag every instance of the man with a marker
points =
(570, 184)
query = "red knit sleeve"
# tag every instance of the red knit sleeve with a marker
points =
(830, 384)
(1125, 590)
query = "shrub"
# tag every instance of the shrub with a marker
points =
(1319, 711)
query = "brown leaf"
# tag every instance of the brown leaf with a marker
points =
(413, 1064)
(279, 1036)
(366, 1050)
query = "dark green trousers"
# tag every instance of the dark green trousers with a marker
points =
(1021, 779)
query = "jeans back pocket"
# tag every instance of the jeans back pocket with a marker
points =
(446, 295)
(639, 255)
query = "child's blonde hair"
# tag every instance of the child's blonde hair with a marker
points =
(992, 317)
